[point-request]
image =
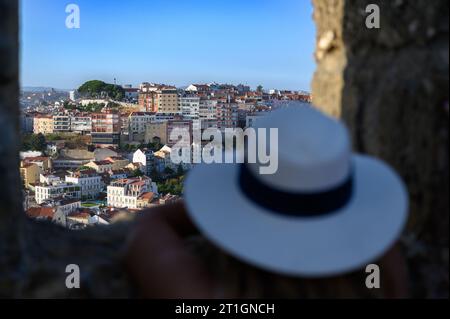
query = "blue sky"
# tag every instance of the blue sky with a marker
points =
(267, 42)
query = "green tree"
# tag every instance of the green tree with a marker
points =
(259, 88)
(137, 173)
(168, 171)
(155, 176)
(180, 170)
(34, 142)
(96, 88)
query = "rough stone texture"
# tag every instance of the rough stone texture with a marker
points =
(34, 256)
(10, 207)
(389, 85)
(395, 101)
(330, 56)
(97, 251)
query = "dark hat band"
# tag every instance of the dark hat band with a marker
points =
(295, 204)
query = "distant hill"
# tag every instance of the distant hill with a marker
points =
(37, 89)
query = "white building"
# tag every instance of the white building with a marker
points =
(190, 106)
(146, 159)
(67, 206)
(55, 190)
(130, 193)
(130, 92)
(138, 120)
(48, 179)
(86, 102)
(81, 123)
(61, 123)
(208, 109)
(73, 95)
(89, 181)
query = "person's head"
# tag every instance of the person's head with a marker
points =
(309, 229)
(237, 279)
(168, 258)
(323, 213)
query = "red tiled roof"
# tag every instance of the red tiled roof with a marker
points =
(36, 159)
(147, 196)
(35, 212)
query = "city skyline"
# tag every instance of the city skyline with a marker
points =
(253, 43)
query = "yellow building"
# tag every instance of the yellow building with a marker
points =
(43, 162)
(156, 130)
(157, 98)
(30, 173)
(167, 101)
(43, 124)
(100, 166)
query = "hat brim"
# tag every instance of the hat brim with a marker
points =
(333, 244)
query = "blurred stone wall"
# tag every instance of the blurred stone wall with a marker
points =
(390, 85)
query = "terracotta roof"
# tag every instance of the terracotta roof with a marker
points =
(147, 196)
(36, 159)
(81, 213)
(46, 212)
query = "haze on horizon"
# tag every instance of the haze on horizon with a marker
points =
(253, 42)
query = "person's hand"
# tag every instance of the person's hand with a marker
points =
(158, 259)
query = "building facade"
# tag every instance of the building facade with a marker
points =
(156, 132)
(126, 193)
(56, 190)
(106, 128)
(89, 181)
(81, 123)
(146, 159)
(43, 124)
(190, 106)
(61, 123)
(227, 116)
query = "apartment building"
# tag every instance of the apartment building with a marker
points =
(190, 106)
(227, 116)
(159, 99)
(81, 123)
(147, 96)
(106, 128)
(126, 193)
(135, 125)
(44, 192)
(29, 173)
(200, 89)
(61, 123)
(130, 92)
(208, 109)
(26, 123)
(89, 181)
(43, 124)
(167, 101)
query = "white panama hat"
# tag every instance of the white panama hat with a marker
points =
(325, 212)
